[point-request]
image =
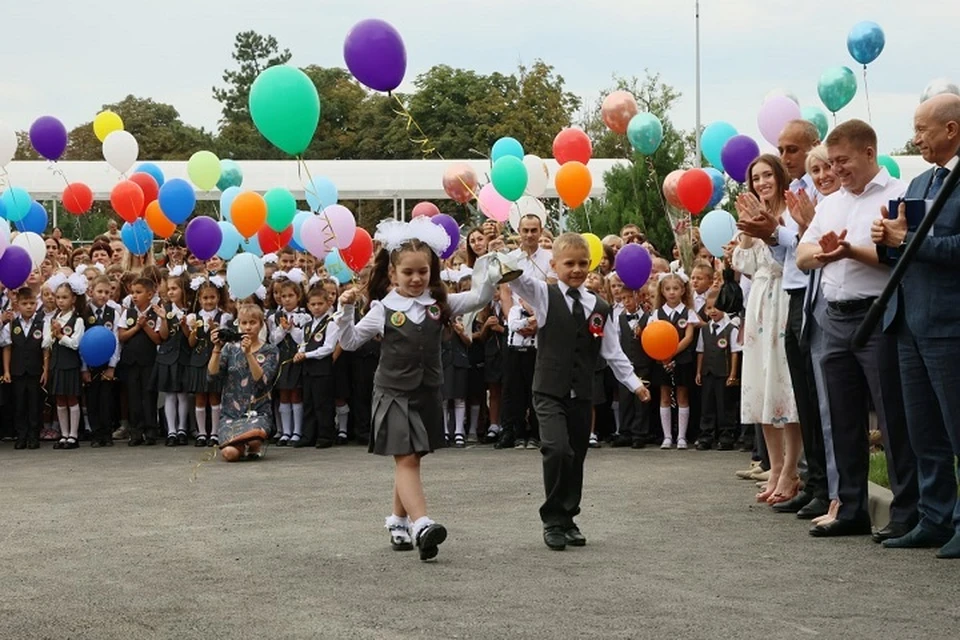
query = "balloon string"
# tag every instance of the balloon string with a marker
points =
(866, 93)
(423, 142)
(301, 164)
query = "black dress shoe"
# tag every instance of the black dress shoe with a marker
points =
(171, 441)
(181, 438)
(857, 527)
(324, 444)
(33, 444)
(892, 530)
(917, 538)
(638, 444)
(814, 509)
(134, 442)
(149, 442)
(21, 444)
(794, 504)
(725, 445)
(704, 445)
(430, 539)
(622, 441)
(574, 537)
(555, 539)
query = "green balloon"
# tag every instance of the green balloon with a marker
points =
(837, 87)
(281, 208)
(509, 177)
(818, 118)
(892, 167)
(285, 108)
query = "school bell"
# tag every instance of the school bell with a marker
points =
(505, 269)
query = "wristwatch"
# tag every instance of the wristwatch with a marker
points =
(774, 238)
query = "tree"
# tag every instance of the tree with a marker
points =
(341, 97)
(909, 149)
(254, 53)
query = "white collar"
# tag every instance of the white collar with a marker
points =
(30, 321)
(724, 321)
(565, 287)
(805, 183)
(399, 302)
(325, 315)
(951, 163)
(880, 180)
(209, 315)
(65, 316)
(671, 310)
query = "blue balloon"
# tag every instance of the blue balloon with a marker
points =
(230, 175)
(645, 133)
(97, 346)
(506, 146)
(717, 229)
(137, 237)
(17, 203)
(230, 243)
(296, 242)
(3, 210)
(336, 267)
(226, 201)
(712, 140)
(719, 187)
(251, 245)
(153, 170)
(245, 275)
(177, 200)
(35, 220)
(321, 193)
(865, 42)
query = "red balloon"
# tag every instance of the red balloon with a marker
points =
(358, 254)
(271, 241)
(149, 186)
(572, 144)
(127, 200)
(694, 190)
(427, 209)
(77, 198)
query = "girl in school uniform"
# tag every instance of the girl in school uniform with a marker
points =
(494, 337)
(285, 331)
(410, 308)
(61, 339)
(173, 355)
(211, 297)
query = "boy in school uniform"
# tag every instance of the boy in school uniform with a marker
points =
(143, 326)
(101, 312)
(634, 414)
(718, 353)
(319, 388)
(22, 340)
(574, 328)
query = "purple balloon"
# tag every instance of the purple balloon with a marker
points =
(15, 267)
(633, 264)
(203, 237)
(737, 154)
(453, 230)
(49, 137)
(375, 55)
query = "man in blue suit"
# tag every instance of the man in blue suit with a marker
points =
(926, 316)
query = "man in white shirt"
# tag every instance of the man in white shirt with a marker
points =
(838, 241)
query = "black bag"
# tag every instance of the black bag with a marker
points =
(730, 298)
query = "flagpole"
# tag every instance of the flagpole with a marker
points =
(697, 160)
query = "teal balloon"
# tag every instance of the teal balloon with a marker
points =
(298, 220)
(818, 118)
(321, 193)
(17, 202)
(230, 242)
(509, 177)
(337, 268)
(717, 228)
(645, 133)
(137, 237)
(285, 108)
(252, 245)
(281, 208)
(714, 136)
(865, 42)
(230, 175)
(719, 186)
(892, 167)
(244, 275)
(837, 87)
(226, 201)
(504, 147)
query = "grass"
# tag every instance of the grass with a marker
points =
(878, 469)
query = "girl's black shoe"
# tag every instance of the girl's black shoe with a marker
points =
(171, 440)
(201, 441)
(60, 444)
(71, 444)
(181, 438)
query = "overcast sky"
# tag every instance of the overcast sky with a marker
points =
(68, 57)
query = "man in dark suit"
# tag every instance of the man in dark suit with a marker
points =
(926, 315)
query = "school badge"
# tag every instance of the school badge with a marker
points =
(434, 312)
(170, 315)
(92, 320)
(261, 358)
(682, 323)
(722, 343)
(398, 318)
(67, 330)
(17, 330)
(37, 334)
(108, 325)
(130, 322)
(595, 325)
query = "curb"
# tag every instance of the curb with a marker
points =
(880, 499)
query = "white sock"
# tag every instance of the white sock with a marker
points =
(396, 521)
(297, 418)
(474, 419)
(75, 421)
(494, 428)
(684, 416)
(183, 412)
(286, 419)
(201, 413)
(124, 424)
(666, 421)
(343, 414)
(86, 419)
(170, 411)
(459, 414)
(63, 416)
(446, 418)
(420, 525)
(615, 407)
(214, 419)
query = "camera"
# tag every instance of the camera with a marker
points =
(229, 334)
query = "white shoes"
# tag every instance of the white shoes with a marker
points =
(681, 443)
(667, 443)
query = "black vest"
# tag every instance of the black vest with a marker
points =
(288, 346)
(61, 357)
(680, 324)
(632, 347)
(108, 318)
(409, 353)
(716, 351)
(566, 350)
(26, 354)
(139, 350)
(313, 340)
(169, 350)
(204, 347)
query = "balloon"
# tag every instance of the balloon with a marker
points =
(712, 140)
(158, 222)
(572, 145)
(77, 198)
(271, 241)
(670, 185)
(358, 254)
(719, 186)
(298, 220)
(781, 92)
(120, 150)
(774, 116)
(865, 42)
(341, 225)
(251, 245)
(248, 213)
(935, 88)
(230, 240)
(49, 137)
(203, 237)
(527, 206)
(837, 87)
(285, 108)
(427, 209)
(203, 168)
(596, 249)
(153, 170)
(537, 175)
(245, 275)
(660, 340)
(336, 267)
(230, 175)
(177, 200)
(460, 182)
(375, 55)
(737, 154)
(716, 230)
(281, 207)
(97, 346)
(694, 190)
(506, 146)
(892, 167)
(818, 118)
(33, 244)
(4, 234)
(633, 265)
(618, 108)
(226, 201)
(149, 186)
(137, 237)
(8, 144)
(15, 267)
(573, 183)
(17, 203)
(453, 230)
(314, 235)
(509, 177)
(126, 198)
(321, 193)
(35, 220)
(645, 133)
(106, 123)
(492, 204)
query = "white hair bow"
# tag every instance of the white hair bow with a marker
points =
(217, 281)
(55, 281)
(261, 293)
(294, 275)
(393, 234)
(78, 283)
(196, 281)
(96, 265)
(314, 279)
(679, 273)
(177, 270)
(270, 258)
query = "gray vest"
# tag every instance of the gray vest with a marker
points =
(566, 350)
(716, 358)
(685, 356)
(632, 347)
(409, 353)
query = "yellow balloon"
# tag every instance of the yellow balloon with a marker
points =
(106, 123)
(596, 249)
(204, 170)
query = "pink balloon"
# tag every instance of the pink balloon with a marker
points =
(315, 233)
(774, 116)
(342, 226)
(427, 209)
(492, 204)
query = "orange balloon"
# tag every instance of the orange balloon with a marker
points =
(660, 340)
(574, 182)
(248, 213)
(158, 222)
(670, 184)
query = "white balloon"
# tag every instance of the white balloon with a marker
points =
(32, 244)
(120, 150)
(4, 236)
(935, 88)
(786, 93)
(8, 143)
(537, 175)
(527, 206)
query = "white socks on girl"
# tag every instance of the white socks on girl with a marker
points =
(684, 420)
(474, 421)
(343, 415)
(459, 416)
(286, 421)
(666, 421)
(399, 529)
(297, 419)
(170, 413)
(201, 413)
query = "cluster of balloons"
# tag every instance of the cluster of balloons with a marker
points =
(620, 113)
(572, 149)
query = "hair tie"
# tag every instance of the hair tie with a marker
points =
(393, 234)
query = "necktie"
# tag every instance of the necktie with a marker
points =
(578, 315)
(938, 177)
(99, 314)
(630, 316)
(716, 328)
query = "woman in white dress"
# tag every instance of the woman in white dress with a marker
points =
(766, 392)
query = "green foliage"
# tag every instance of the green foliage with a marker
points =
(253, 53)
